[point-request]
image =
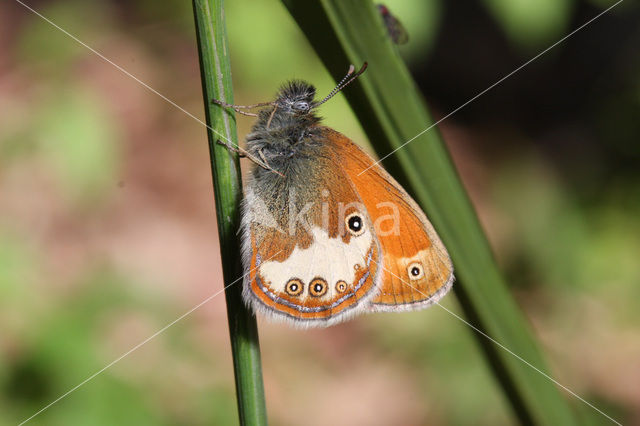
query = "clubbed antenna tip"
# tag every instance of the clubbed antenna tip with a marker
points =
(346, 80)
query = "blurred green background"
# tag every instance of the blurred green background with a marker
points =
(107, 229)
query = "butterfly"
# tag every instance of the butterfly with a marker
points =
(326, 232)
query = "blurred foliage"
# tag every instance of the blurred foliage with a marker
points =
(430, 342)
(52, 52)
(531, 23)
(550, 157)
(580, 244)
(77, 136)
(61, 346)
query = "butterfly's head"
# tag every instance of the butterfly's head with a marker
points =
(287, 125)
(296, 98)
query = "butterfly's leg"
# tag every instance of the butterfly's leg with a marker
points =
(239, 108)
(266, 163)
(271, 116)
(233, 107)
(241, 152)
(262, 162)
(226, 105)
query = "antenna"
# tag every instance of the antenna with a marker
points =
(346, 80)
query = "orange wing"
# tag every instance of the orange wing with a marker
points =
(314, 276)
(417, 270)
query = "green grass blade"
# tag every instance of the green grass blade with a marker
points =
(392, 111)
(216, 84)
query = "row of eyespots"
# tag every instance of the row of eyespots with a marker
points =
(317, 288)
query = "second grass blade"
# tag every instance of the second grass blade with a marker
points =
(391, 111)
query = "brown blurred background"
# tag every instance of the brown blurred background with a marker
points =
(107, 228)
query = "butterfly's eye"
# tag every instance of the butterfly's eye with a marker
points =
(415, 271)
(355, 224)
(294, 287)
(318, 287)
(341, 286)
(301, 106)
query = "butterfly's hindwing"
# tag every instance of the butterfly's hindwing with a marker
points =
(315, 269)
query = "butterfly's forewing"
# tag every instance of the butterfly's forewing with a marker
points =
(313, 275)
(417, 270)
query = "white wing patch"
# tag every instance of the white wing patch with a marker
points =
(327, 258)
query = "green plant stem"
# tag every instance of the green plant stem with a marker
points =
(216, 84)
(392, 111)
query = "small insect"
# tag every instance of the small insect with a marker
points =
(326, 232)
(396, 30)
